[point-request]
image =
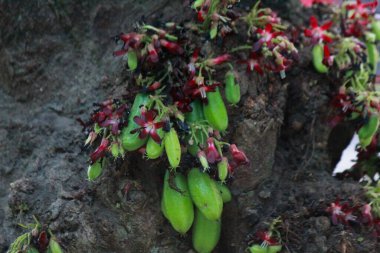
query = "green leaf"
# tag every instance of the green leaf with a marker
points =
(132, 60)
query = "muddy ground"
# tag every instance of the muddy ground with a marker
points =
(56, 60)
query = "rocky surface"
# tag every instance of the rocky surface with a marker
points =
(56, 60)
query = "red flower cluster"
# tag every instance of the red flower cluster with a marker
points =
(309, 3)
(110, 114)
(345, 102)
(358, 17)
(265, 37)
(196, 87)
(344, 214)
(212, 155)
(130, 40)
(341, 213)
(271, 50)
(153, 45)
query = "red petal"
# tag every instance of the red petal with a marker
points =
(139, 121)
(326, 38)
(258, 69)
(159, 125)
(120, 52)
(326, 25)
(350, 6)
(155, 136)
(308, 33)
(268, 28)
(370, 5)
(326, 51)
(143, 133)
(313, 22)
(150, 115)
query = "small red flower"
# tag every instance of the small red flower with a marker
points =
(218, 60)
(356, 27)
(309, 3)
(203, 11)
(267, 238)
(212, 153)
(280, 63)
(196, 88)
(328, 59)
(201, 16)
(130, 40)
(191, 66)
(100, 151)
(181, 100)
(340, 213)
(43, 241)
(265, 37)
(367, 217)
(362, 10)
(110, 114)
(152, 54)
(172, 47)
(238, 156)
(147, 125)
(254, 62)
(318, 33)
(154, 86)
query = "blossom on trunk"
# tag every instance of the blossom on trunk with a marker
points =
(218, 60)
(211, 151)
(309, 3)
(266, 36)
(267, 238)
(196, 88)
(317, 33)
(172, 47)
(254, 63)
(148, 125)
(341, 213)
(100, 151)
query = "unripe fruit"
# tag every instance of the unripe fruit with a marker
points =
(54, 246)
(224, 192)
(154, 149)
(206, 233)
(232, 89)
(258, 249)
(94, 171)
(223, 169)
(172, 148)
(215, 111)
(176, 203)
(205, 194)
(318, 54)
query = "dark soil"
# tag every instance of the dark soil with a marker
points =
(56, 60)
